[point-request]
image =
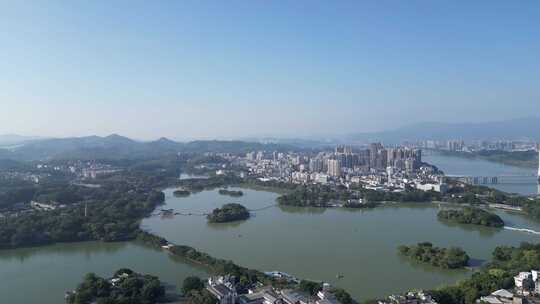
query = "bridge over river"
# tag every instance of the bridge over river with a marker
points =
(521, 179)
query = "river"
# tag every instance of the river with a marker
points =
(453, 165)
(309, 243)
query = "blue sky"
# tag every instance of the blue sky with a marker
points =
(224, 69)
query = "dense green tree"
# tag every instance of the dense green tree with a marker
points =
(470, 215)
(228, 213)
(192, 283)
(452, 257)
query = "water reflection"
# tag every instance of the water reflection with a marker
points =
(225, 226)
(302, 210)
(425, 267)
(484, 232)
(87, 248)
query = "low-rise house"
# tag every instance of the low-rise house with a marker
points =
(409, 298)
(264, 295)
(294, 297)
(223, 289)
(325, 297)
(42, 206)
(501, 296)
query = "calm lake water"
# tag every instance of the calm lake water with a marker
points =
(44, 274)
(310, 243)
(319, 244)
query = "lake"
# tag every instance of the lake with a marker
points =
(319, 244)
(311, 243)
(44, 274)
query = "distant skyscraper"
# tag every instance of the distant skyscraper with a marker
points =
(334, 168)
(374, 154)
(538, 148)
(316, 165)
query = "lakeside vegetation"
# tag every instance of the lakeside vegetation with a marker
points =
(450, 258)
(367, 205)
(233, 193)
(195, 292)
(228, 213)
(498, 274)
(128, 287)
(324, 195)
(114, 218)
(471, 215)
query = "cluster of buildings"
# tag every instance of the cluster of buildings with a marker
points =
(375, 166)
(79, 169)
(412, 297)
(32, 177)
(459, 145)
(526, 290)
(224, 290)
(46, 206)
(344, 160)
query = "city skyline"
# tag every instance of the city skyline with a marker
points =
(230, 70)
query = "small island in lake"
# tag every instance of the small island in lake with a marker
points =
(181, 193)
(232, 193)
(470, 215)
(451, 258)
(228, 213)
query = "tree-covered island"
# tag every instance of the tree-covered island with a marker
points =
(228, 213)
(450, 258)
(471, 215)
(233, 193)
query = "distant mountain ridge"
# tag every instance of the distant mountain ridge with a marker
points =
(520, 128)
(119, 147)
(14, 139)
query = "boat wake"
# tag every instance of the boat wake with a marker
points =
(521, 229)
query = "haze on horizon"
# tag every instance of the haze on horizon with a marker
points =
(226, 69)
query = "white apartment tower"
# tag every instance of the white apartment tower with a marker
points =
(538, 148)
(538, 175)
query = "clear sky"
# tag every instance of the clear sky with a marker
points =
(223, 69)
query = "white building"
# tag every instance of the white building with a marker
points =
(222, 289)
(439, 187)
(42, 206)
(518, 280)
(501, 296)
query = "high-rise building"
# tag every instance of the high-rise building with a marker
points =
(538, 148)
(374, 149)
(316, 165)
(334, 168)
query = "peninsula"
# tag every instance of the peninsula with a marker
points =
(471, 215)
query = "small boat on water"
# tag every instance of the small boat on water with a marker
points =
(340, 276)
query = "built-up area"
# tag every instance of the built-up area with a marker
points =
(376, 167)
(223, 288)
